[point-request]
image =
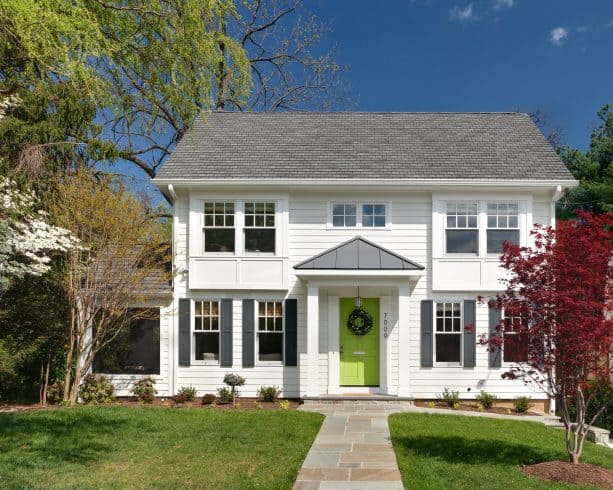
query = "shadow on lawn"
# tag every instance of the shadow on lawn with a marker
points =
(453, 449)
(57, 436)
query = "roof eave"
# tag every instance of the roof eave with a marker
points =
(282, 182)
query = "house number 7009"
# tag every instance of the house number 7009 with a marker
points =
(385, 325)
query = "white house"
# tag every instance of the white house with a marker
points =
(285, 224)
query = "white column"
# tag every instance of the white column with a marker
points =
(385, 346)
(312, 388)
(333, 346)
(403, 341)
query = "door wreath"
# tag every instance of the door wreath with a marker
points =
(360, 322)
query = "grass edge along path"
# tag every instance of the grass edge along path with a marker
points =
(145, 447)
(450, 451)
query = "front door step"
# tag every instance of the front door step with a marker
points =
(357, 398)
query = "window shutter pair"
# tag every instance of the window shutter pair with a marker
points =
(225, 332)
(290, 332)
(427, 333)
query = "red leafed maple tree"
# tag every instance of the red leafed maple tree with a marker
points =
(558, 298)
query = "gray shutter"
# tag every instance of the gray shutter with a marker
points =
(185, 336)
(470, 336)
(291, 332)
(248, 333)
(495, 357)
(427, 321)
(225, 356)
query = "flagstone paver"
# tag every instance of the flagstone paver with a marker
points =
(353, 450)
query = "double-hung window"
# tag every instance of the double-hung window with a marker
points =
(515, 341)
(502, 225)
(206, 331)
(259, 229)
(362, 215)
(270, 331)
(448, 335)
(462, 227)
(218, 231)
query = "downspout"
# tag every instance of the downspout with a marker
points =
(172, 323)
(557, 194)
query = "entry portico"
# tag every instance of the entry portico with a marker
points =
(363, 271)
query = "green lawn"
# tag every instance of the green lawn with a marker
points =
(120, 447)
(451, 451)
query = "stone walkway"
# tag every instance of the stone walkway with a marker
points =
(353, 449)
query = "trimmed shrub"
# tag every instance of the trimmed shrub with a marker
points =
(186, 394)
(95, 389)
(224, 394)
(234, 380)
(268, 393)
(522, 404)
(144, 389)
(450, 397)
(208, 399)
(487, 400)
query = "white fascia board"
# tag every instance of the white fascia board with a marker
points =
(357, 273)
(400, 183)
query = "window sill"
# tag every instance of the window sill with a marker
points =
(447, 365)
(204, 363)
(269, 364)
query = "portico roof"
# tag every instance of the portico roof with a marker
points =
(358, 254)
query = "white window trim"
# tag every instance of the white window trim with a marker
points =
(195, 224)
(460, 333)
(439, 222)
(201, 362)
(358, 205)
(257, 334)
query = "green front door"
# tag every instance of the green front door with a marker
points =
(359, 353)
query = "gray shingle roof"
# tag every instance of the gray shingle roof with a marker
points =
(363, 145)
(359, 254)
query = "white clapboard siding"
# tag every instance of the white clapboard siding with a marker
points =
(308, 234)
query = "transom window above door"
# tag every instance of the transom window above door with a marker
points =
(359, 215)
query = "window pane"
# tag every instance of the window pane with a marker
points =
(219, 240)
(270, 208)
(448, 347)
(338, 209)
(350, 209)
(135, 350)
(270, 346)
(495, 239)
(350, 220)
(461, 221)
(207, 346)
(262, 324)
(472, 222)
(367, 209)
(367, 221)
(380, 221)
(249, 220)
(259, 207)
(515, 348)
(249, 209)
(209, 220)
(260, 240)
(338, 221)
(270, 220)
(462, 241)
(259, 220)
(439, 325)
(380, 209)
(512, 221)
(451, 221)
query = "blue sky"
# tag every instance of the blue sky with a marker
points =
(480, 55)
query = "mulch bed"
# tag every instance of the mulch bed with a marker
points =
(474, 407)
(243, 404)
(565, 472)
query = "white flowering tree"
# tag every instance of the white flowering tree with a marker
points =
(27, 240)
